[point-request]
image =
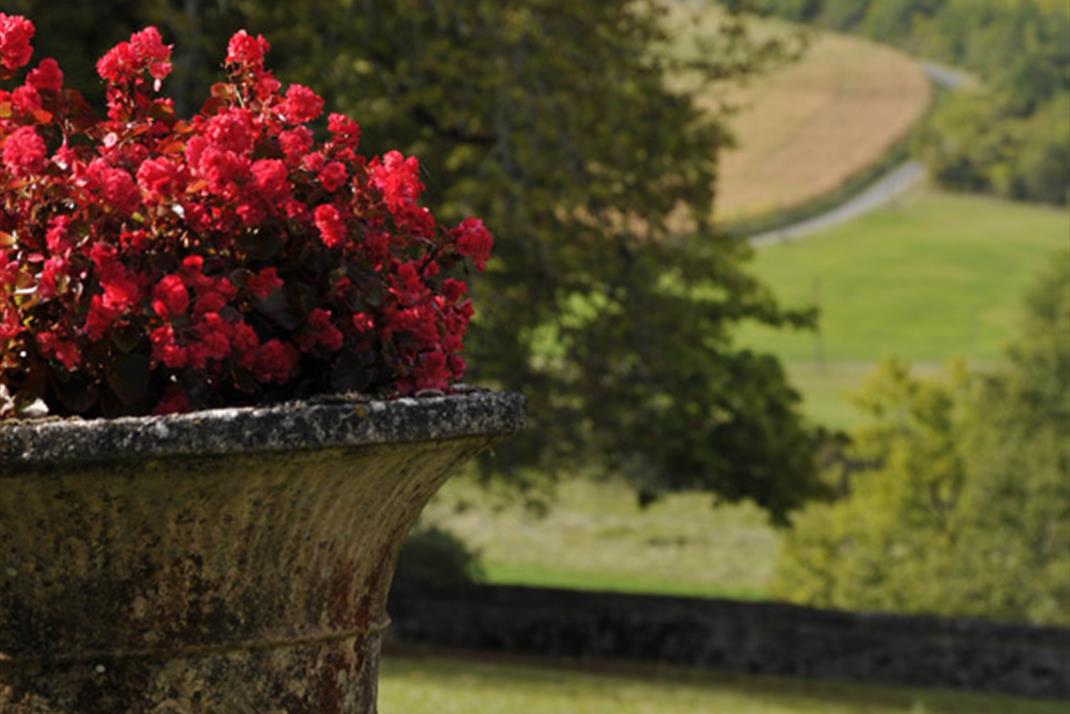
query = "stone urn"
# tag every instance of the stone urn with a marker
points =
(228, 561)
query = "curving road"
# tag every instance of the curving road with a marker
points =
(877, 194)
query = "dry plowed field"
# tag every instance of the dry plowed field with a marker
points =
(811, 126)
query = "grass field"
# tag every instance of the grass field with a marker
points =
(827, 387)
(444, 686)
(810, 126)
(595, 537)
(936, 276)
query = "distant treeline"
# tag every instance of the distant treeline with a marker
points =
(1011, 136)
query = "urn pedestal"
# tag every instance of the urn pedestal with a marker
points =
(225, 561)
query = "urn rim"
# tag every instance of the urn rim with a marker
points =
(318, 424)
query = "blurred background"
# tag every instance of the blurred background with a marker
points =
(785, 282)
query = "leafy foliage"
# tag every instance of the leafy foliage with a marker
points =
(1010, 138)
(960, 498)
(432, 556)
(977, 141)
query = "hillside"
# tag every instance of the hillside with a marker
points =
(812, 125)
(932, 277)
(938, 276)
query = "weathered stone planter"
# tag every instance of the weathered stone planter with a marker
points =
(228, 561)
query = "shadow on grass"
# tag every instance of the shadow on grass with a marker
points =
(775, 695)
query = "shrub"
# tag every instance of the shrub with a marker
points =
(435, 557)
(962, 502)
(155, 264)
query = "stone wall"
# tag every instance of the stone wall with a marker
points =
(754, 638)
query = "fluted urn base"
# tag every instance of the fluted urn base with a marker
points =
(230, 561)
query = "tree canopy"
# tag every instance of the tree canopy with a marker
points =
(611, 301)
(961, 501)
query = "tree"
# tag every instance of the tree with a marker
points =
(969, 142)
(975, 140)
(962, 504)
(611, 300)
(844, 14)
(1042, 163)
(1011, 138)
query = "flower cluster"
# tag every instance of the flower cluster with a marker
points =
(155, 264)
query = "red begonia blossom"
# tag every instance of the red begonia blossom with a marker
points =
(238, 258)
(24, 151)
(15, 35)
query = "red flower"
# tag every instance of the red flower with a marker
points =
(398, 178)
(314, 161)
(332, 176)
(264, 283)
(363, 322)
(150, 49)
(224, 171)
(10, 326)
(58, 237)
(118, 65)
(453, 289)
(25, 99)
(15, 35)
(431, 371)
(144, 52)
(172, 297)
(63, 351)
(173, 401)
(321, 331)
(248, 51)
(159, 179)
(143, 225)
(266, 86)
(474, 241)
(344, 130)
(49, 279)
(116, 187)
(46, 77)
(331, 227)
(245, 339)
(164, 349)
(100, 318)
(274, 361)
(270, 180)
(302, 104)
(233, 130)
(295, 143)
(24, 151)
(407, 284)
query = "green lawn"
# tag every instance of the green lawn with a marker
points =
(935, 276)
(595, 537)
(827, 387)
(411, 685)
